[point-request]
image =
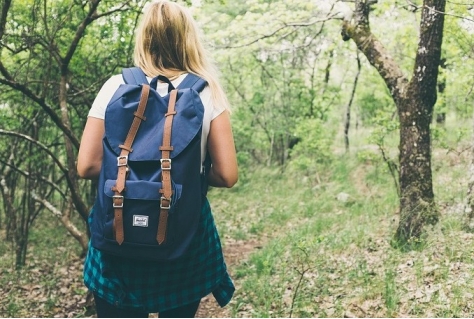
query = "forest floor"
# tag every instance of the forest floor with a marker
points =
(36, 284)
(312, 254)
(234, 252)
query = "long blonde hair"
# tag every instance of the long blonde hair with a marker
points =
(168, 42)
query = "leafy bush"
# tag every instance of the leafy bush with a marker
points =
(312, 152)
(372, 102)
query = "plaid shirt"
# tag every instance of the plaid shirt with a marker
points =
(159, 286)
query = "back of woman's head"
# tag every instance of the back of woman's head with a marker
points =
(167, 39)
(168, 42)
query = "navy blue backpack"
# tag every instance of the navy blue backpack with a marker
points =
(152, 184)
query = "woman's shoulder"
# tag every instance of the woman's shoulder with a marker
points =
(104, 96)
(111, 84)
(115, 80)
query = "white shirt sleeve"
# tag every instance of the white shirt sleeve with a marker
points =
(211, 111)
(103, 97)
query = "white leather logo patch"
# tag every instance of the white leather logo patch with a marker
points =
(140, 221)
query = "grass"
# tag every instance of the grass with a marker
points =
(338, 255)
(327, 257)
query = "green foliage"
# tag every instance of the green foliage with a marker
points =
(312, 153)
(372, 100)
(275, 78)
(449, 140)
(385, 127)
(51, 281)
(457, 50)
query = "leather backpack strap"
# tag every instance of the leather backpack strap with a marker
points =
(166, 148)
(122, 164)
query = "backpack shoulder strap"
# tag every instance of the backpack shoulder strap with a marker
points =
(134, 76)
(193, 81)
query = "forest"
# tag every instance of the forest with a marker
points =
(353, 123)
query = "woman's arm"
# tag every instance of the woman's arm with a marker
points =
(89, 159)
(220, 143)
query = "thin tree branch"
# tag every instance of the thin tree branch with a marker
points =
(284, 26)
(359, 30)
(414, 5)
(80, 206)
(72, 229)
(30, 176)
(91, 16)
(38, 144)
(8, 80)
(349, 105)
(79, 34)
(122, 8)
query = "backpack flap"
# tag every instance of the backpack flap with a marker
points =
(119, 116)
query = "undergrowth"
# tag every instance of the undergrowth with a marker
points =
(328, 251)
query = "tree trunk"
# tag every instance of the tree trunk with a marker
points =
(417, 205)
(415, 101)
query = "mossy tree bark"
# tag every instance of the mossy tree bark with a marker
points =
(415, 99)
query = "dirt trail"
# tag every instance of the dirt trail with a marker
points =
(234, 252)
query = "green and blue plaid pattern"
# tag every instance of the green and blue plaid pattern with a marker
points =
(159, 286)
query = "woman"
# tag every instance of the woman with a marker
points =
(167, 43)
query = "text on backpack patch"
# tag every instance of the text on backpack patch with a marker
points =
(140, 220)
